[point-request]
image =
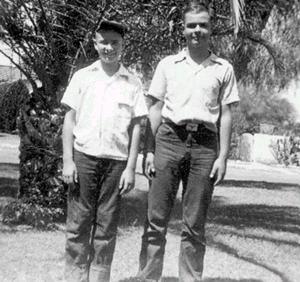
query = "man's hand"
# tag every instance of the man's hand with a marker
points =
(149, 166)
(127, 181)
(69, 172)
(218, 170)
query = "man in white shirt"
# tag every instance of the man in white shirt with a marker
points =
(191, 93)
(102, 101)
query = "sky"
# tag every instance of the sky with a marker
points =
(3, 60)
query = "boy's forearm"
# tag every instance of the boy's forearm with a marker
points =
(225, 131)
(149, 145)
(67, 136)
(134, 146)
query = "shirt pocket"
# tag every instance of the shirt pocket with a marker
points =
(211, 89)
(124, 108)
(123, 114)
(213, 105)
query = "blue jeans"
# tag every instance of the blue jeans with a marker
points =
(179, 155)
(92, 219)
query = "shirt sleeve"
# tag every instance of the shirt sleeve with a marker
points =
(72, 94)
(139, 107)
(158, 84)
(229, 91)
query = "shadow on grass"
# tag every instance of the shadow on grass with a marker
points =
(9, 167)
(272, 218)
(245, 217)
(229, 280)
(228, 219)
(133, 209)
(9, 170)
(9, 182)
(258, 184)
(9, 187)
(174, 279)
(237, 254)
(276, 218)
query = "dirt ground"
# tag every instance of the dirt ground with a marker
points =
(253, 230)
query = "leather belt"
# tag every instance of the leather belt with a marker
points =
(189, 126)
(192, 127)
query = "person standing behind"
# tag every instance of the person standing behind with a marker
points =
(102, 101)
(190, 93)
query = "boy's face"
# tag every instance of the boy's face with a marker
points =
(197, 29)
(109, 46)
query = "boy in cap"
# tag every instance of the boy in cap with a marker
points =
(102, 101)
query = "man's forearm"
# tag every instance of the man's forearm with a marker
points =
(155, 116)
(225, 131)
(134, 146)
(67, 136)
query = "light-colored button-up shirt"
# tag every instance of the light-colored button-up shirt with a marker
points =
(194, 92)
(104, 108)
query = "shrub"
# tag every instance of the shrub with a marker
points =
(12, 97)
(25, 212)
(287, 150)
(41, 158)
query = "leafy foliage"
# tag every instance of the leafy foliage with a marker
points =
(40, 155)
(261, 89)
(283, 33)
(11, 100)
(54, 37)
(287, 151)
(26, 212)
(258, 107)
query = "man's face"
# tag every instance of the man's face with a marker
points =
(109, 46)
(197, 29)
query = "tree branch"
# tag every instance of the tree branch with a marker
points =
(29, 16)
(254, 37)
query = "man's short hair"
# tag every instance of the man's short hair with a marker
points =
(108, 25)
(195, 7)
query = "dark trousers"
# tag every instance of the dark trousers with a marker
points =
(92, 219)
(189, 157)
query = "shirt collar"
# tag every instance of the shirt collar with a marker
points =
(182, 56)
(122, 71)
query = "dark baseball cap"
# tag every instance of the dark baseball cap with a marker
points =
(112, 25)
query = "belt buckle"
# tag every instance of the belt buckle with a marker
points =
(193, 127)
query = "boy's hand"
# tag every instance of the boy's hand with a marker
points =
(69, 172)
(149, 166)
(127, 181)
(218, 170)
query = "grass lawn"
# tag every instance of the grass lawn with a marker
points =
(253, 235)
(253, 230)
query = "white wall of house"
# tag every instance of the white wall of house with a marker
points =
(259, 148)
(4, 61)
(292, 93)
(8, 71)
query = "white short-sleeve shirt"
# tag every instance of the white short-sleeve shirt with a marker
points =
(104, 108)
(192, 92)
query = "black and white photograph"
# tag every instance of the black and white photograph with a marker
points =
(149, 141)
